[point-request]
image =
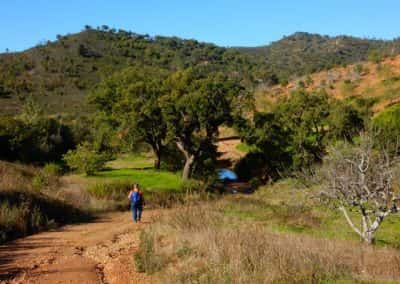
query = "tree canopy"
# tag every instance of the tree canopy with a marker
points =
(295, 134)
(132, 99)
(198, 103)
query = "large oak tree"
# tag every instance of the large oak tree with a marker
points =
(132, 98)
(197, 103)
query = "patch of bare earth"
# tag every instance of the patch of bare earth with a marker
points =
(227, 149)
(369, 84)
(97, 252)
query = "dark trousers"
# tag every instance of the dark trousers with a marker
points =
(136, 211)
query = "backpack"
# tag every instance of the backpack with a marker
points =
(137, 198)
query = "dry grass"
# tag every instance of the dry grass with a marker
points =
(373, 82)
(30, 201)
(14, 176)
(201, 245)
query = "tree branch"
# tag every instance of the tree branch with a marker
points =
(346, 215)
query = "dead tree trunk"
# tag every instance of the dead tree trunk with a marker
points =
(368, 230)
(362, 179)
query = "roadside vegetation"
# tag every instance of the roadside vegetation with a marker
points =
(281, 234)
(30, 201)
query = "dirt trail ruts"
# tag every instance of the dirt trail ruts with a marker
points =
(97, 252)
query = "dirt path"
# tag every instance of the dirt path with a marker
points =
(98, 252)
(229, 152)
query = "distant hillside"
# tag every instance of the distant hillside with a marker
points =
(374, 84)
(59, 74)
(304, 53)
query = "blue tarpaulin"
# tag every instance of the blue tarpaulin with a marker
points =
(227, 175)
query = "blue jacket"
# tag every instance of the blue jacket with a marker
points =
(136, 198)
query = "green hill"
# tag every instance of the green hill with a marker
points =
(305, 53)
(59, 74)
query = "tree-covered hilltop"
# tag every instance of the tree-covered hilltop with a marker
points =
(59, 73)
(305, 53)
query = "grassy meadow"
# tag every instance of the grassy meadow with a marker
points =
(149, 179)
(137, 168)
(280, 234)
(288, 207)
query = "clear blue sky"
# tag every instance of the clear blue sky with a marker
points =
(24, 23)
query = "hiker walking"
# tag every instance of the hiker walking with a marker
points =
(136, 199)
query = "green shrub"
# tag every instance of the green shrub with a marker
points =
(246, 148)
(52, 169)
(375, 56)
(359, 69)
(347, 88)
(46, 177)
(284, 81)
(85, 160)
(39, 181)
(36, 140)
(387, 124)
(146, 259)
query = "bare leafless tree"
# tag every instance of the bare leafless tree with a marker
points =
(361, 178)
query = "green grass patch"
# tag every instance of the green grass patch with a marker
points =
(149, 179)
(132, 161)
(115, 192)
(162, 188)
(138, 168)
(289, 208)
